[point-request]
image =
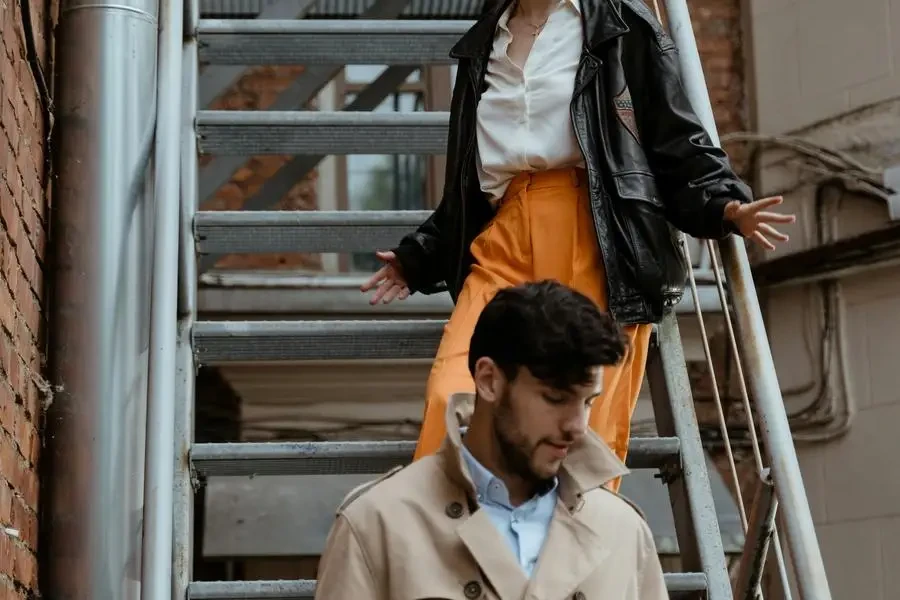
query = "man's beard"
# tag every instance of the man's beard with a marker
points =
(515, 451)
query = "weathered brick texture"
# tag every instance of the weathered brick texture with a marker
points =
(717, 25)
(23, 238)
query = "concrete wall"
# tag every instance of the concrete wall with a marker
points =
(23, 238)
(826, 70)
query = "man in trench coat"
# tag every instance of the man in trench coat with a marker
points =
(517, 508)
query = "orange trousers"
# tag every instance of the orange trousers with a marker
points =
(543, 229)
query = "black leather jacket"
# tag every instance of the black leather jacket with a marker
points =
(650, 163)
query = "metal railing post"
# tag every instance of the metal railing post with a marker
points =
(800, 528)
(156, 575)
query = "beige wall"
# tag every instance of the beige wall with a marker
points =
(816, 59)
(829, 70)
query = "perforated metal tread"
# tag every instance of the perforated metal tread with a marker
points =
(217, 342)
(328, 42)
(320, 458)
(680, 586)
(260, 132)
(225, 232)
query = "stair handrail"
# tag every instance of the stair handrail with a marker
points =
(801, 538)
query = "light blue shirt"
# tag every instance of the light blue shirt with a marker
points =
(525, 526)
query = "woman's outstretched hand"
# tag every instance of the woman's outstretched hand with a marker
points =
(756, 223)
(388, 279)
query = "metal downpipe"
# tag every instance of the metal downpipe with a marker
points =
(99, 314)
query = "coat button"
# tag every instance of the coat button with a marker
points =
(578, 596)
(472, 590)
(454, 510)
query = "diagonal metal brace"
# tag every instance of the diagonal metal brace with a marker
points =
(219, 171)
(760, 532)
(297, 168)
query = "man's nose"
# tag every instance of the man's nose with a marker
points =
(575, 423)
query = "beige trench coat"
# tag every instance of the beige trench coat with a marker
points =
(412, 535)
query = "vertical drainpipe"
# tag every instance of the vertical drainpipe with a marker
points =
(93, 465)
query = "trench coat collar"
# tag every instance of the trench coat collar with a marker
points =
(574, 547)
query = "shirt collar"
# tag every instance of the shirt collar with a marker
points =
(483, 479)
(504, 18)
(590, 464)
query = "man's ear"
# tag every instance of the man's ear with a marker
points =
(489, 380)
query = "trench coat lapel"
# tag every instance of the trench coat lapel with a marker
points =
(493, 555)
(571, 552)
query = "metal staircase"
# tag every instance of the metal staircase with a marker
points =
(676, 454)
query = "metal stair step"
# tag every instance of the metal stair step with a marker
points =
(327, 42)
(260, 132)
(225, 232)
(344, 458)
(680, 585)
(217, 342)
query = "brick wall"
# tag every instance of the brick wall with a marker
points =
(718, 29)
(23, 238)
(258, 89)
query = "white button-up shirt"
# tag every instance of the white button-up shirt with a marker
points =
(523, 120)
(524, 527)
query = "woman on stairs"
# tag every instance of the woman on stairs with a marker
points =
(572, 149)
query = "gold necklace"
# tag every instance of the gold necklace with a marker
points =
(536, 29)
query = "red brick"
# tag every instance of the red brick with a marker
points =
(23, 239)
(7, 407)
(29, 486)
(9, 460)
(25, 569)
(6, 502)
(25, 521)
(7, 308)
(7, 356)
(6, 555)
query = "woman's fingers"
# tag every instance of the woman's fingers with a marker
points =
(770, 231)
(392, 293)
(386, 256)
(381, 291)
(758, 205)
(771, 217)
(760, 239)
(375, 279)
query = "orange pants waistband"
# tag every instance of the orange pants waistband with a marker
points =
(571, 177)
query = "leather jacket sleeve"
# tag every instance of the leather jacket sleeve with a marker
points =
(420, 254)
(694, 177)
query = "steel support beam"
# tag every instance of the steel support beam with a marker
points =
(680, 586)
(251, 42)
(372, 458)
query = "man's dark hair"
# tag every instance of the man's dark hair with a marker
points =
(555, 332)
